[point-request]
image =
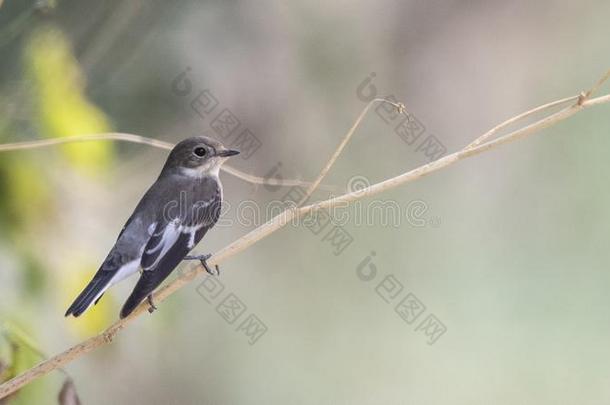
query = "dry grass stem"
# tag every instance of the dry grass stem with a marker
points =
(480, 145)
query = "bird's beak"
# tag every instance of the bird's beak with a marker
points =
(228, 152)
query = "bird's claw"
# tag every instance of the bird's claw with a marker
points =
(152, 307)
(204, 262)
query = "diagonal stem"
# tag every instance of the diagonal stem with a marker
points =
(119, 136)
(278, 222)
(342, 145)
(582, 97)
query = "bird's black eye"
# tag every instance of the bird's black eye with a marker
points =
(200, 151)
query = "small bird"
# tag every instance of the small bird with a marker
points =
(172, 217)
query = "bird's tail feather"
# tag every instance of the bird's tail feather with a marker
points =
(93, 292)
(143, 288)
(132, 302)
(150, 280)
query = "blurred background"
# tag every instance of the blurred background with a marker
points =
(496, 293)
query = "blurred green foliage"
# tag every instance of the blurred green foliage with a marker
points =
(63, 108)
(56, 99)
(18, 353)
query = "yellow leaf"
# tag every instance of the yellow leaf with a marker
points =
(63, 106)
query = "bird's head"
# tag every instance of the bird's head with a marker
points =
(198, 156)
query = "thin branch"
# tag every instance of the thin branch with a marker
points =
(342, 145)
(448, 160)
(276, 223)
(118, 136)
(12, 333)
(516, 118)
(598, 100)
(580, 99)
(596, 86)
(115, 136)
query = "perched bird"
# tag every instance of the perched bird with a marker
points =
(172, 217)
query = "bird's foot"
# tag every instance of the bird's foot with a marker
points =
(152, 307)
(204, 262)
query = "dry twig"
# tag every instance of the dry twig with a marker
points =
(478, 146)
(118, 136)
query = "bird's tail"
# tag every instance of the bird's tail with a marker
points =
(91, 294)
(143, 288)
(150, 280)
(132, 302)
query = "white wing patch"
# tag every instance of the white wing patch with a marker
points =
(169, 236)
(171, 233)
(151, 228)
(192, 230)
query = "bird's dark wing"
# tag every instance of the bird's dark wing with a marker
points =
(175, 234)
(122, 261)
